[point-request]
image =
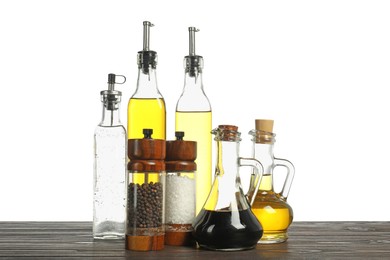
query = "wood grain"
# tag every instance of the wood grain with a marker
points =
(308, 240)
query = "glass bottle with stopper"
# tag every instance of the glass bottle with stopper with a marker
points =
(109, 187)
(270, 207)
(226, 221)
(194, 117)
(146, 108)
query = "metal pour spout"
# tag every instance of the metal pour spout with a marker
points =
(111, 97)
(147, 26)
(147, 58)
(193, 63)
(192, 31)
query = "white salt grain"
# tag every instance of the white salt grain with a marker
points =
(179, 200)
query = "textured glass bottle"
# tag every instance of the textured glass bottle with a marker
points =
(109, 187)
(146, 108)
(194, 117)
(271, 208)
(226, 221)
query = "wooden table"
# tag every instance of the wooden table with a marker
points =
(308, 240)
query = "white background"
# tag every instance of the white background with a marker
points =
(320, 69)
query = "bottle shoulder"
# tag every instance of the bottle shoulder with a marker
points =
(117, 130)
(269, 198)
(144, 103)
(147, 94)
(192, 102)
(147, 86)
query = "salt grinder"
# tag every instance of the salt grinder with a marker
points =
(145, 193)
(180, 197)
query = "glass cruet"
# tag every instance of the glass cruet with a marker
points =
(109, 190)
(226, 222)
(146, 107)
(270, 207)
(194, 117)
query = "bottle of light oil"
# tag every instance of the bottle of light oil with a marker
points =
(146, 108)
(270, 207)
(194, 117)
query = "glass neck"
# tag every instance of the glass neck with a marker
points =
(193, 80)
(193, 97)
(147, 84)
(227, 184)
(110, 117)
(227, 159)
(265, 154)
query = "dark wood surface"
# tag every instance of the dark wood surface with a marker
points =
(308, 240)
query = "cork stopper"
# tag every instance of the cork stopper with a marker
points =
(265, 125)
(229, 133)
(228, 127)
(264, 131)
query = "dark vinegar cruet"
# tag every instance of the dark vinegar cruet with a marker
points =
(226, 222)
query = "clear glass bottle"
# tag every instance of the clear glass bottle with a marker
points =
(226, 221)
(194, 117)
(270, 207)
(180, 190)
(146, 107)
(145, 193)
(109, 187)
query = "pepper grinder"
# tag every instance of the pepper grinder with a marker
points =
(145, 193)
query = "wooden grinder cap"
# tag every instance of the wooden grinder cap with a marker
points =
(147, 154)
(180, 154)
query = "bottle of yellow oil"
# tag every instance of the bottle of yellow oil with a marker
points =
(146, 107)
(194, 118)
(270, 207)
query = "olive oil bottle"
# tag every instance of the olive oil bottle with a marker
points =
(146, 108)
(270, 207)
(194, 118)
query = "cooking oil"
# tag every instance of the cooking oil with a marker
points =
(194, 118)
(196, 126)
(274, 214)
(146, 113)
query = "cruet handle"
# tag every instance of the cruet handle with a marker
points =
(255, 178)
(289, 178)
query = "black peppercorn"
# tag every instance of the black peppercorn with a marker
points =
(147, 199)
